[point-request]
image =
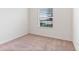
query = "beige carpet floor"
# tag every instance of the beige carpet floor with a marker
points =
(32, 42)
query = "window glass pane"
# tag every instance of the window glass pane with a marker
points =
(46, 17)
(46, 12)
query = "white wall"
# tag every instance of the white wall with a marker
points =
(13, 23)
(76, 28)
(62, 24)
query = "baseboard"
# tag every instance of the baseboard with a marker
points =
(50, 37)
(13, 38)
(24, 35)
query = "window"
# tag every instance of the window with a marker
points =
(46, 17)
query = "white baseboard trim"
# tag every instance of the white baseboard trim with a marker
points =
(51, 37)
(27, 34)
(12, 38)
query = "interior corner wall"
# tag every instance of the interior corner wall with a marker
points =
(76, 28)
(62, 24)
(29, 13)
(13, 23)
